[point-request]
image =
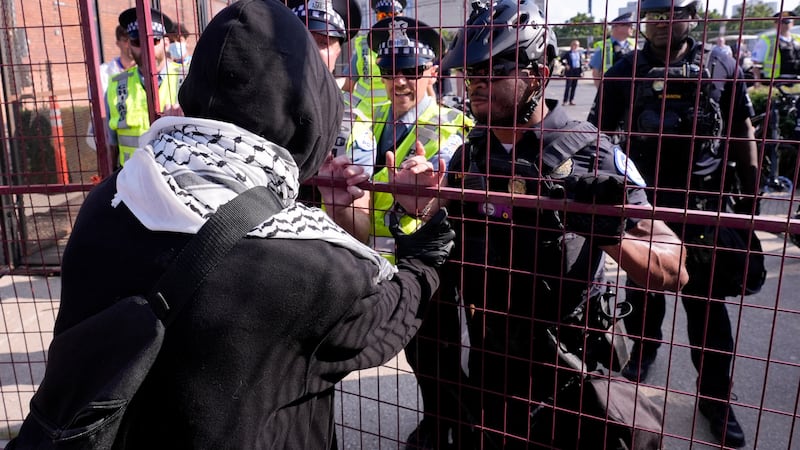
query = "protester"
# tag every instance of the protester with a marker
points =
(292, 308)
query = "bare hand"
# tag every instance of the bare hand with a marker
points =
(172, 110)
(414, 171)
(338, 169)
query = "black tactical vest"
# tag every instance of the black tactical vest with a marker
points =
(676, 122)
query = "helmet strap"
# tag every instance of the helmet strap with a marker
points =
(533, 94)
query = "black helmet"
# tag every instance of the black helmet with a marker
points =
(403, 43)
(335, 18)
(389, 6)
(665, 5)
(508, 28)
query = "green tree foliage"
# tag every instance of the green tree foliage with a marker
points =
(582, 27)
(757, 17)
(714, 23)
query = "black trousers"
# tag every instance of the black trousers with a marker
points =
(572, 77)
(707, 323)
(434, 354)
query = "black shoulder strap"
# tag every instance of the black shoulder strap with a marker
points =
(560, 145)
(231, 222)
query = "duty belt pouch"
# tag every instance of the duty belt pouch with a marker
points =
(620, 414)
(95, 368)
(738, 267)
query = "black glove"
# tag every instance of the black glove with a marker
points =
(598, 190)
(744, 205)
(431, 243)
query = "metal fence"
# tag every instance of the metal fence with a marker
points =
(49, 58)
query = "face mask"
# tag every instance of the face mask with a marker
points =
(177, 50)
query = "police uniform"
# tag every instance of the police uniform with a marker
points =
(128, 113)
(403, 43)
(340, 19)
(440, 129)
(609, 51)
(675, 163)
(521, 271)
(369, 92)
(778, 55)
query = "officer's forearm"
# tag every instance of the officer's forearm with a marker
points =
(652, 256)
(355, 217)
(354, 220)
(596, 74)
(743, 150)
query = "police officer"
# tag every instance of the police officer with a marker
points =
(517, 271)
(681, 153)
(332, 24)
(128, 116)
(779, 56)
(779, 53)
(610, 50)
(363, 75)
(412, 123)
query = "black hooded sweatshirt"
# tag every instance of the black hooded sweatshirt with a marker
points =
(252, 363)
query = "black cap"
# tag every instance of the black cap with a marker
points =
(783, 15)
(402, 42)
(624, 19)
(162, 25)
(257, 67)
(335, 18)
(389, 6)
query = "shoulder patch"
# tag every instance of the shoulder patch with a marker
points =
(564, 170)
(627, 168)
(365, 140)
(453, 143)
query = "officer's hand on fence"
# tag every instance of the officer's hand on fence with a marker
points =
(340, 170)
(415, 170)
(597, 190)
(431, 243)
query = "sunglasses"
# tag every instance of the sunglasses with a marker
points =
(137, 43)
(485, 71)
(383, 15)
(786, 21)
(664, 16)
(411, 73)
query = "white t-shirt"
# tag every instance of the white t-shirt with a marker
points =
(107, 70)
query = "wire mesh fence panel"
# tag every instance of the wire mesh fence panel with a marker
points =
(632, 287)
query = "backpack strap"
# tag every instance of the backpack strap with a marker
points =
(232, 221)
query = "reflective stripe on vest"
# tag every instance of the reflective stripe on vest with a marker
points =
(369, 92)
(434, 127)
(128, 113)
(767, 64)
(608, 51)
(772, 57)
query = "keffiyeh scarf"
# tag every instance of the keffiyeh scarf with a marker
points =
(188, 167)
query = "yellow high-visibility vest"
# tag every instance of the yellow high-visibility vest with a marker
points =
(128, 115)
(607, 47)
(437, 127)
(369, 92)
(771, 66)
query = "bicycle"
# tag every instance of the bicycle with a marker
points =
(782, 122)
(781, 116)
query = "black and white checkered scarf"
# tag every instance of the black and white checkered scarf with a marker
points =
(186, 168)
